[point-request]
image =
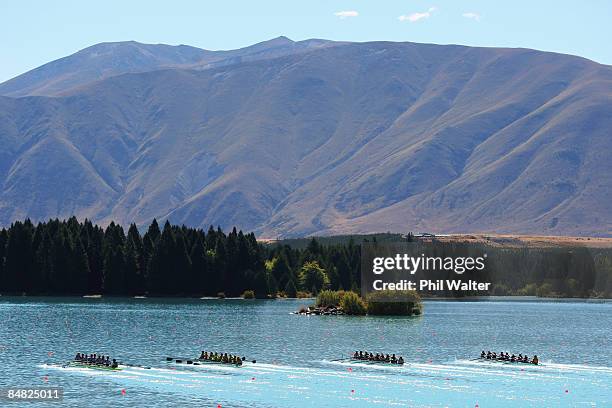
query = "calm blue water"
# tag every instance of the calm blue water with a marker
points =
(295, 354)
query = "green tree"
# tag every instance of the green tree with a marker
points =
(18, 270)
(199, 280)
(290, 289)
(114, 260)
(260, 285)
(313, 277)
(134, 262)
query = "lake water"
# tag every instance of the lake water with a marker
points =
(295, 354)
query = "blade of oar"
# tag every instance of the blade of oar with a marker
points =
(133, 365)
(196, 361)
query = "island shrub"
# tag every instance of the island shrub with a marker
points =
(394, 303)
(328, 298)
(352, 304)
(248, 294)
(301, 294)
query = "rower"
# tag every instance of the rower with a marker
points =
(483, 354)
(107, 362)
(525, 359)
(114, 364)
(535, 360)
(202, 355)
(356, 355)
(400, 360)
(393, 359)
(513, 358)
(488, 355)
(77, 357)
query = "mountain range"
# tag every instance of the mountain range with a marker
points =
(313, 137)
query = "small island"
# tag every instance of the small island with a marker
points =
(379, 303)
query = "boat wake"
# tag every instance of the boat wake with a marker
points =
(355, 384)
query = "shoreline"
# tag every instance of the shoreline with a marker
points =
(424, 298)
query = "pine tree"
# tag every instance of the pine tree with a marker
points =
(290, 289)
(162, 279)
(81, 268)
(182, 265)
(134, 262)
(114, 260)
(199, 280)
(3, 240)
(260, 285)
(19, 258)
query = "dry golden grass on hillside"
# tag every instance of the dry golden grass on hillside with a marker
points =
(503, 240)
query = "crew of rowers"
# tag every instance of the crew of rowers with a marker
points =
(511, 358)
(221, 358)
(96, 359)
(383, 358)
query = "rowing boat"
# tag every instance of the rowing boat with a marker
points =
(81, 364)
(491, 360)
(197, 361)
(368, 362)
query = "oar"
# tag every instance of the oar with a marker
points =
(179, 360)
(133, 365)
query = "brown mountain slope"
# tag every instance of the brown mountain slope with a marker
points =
(106, 60)
(351, 138)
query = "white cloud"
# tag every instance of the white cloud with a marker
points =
(346, 13)
(414, 17)
(471, 15)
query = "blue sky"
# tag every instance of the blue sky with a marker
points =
(35, 32)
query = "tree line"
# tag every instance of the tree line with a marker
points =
(69, 257)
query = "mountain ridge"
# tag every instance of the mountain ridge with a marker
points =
(349, 138)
